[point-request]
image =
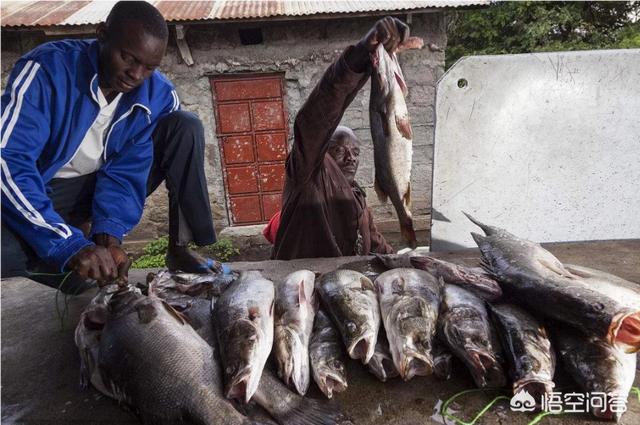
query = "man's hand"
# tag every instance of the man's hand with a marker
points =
(389, 31)
(120, 258)
(94, 262)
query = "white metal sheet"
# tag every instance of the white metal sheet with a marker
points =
(545, 145)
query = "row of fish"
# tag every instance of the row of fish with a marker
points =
(410, 320)
(434, 309)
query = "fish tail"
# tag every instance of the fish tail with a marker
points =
(313, 412)
(408, 233)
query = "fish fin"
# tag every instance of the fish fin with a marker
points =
(382, 196)
(478, 238)
(558, 269)
(403, 124)
(175, 313)
(302, 296)
(407, 196)
(366, 284)
(310, 411)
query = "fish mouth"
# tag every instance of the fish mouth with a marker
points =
(292, 364)
(481, 363)
(537, 388)
(415, 364)
(363, 347)
(332, 382)
(624, 331)
(238, 386)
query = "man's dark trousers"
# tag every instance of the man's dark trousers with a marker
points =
(178, 159)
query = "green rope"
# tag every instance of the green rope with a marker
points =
(459, 421)
(637, 391)
(61, 315)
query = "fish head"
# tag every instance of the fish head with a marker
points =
(292, 358)
(243, 350)
(416, 356)
(361, 337)
(410, 345)
(360, 326)
(468, 337)
(331, 376)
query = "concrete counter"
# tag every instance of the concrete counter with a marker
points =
(40, 363)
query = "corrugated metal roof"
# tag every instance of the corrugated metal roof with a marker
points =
(63, 13)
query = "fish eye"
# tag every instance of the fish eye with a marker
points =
(351, 327)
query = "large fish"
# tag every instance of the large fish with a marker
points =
(463, 324)
(351, 302)
(474, 279)
(295, 308)
(539, 281)
(150, 358)
(598, 367)
(381, 364)
(244, 324)
(527, 350)
(327, 357)
(392, 135)
(409, 302)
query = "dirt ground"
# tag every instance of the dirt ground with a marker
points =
(40, 364)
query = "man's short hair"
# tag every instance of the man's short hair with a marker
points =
(151, 19)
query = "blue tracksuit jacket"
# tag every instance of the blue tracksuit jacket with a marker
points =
(49, 104)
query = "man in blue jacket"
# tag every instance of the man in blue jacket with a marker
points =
(89, 129)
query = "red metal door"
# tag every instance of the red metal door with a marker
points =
(252, 134)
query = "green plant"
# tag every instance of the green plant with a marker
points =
(153, 254)
(223, 250)
(149, 262)
(157, 246)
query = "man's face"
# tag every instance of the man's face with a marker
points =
(345, 150)
(128, 57)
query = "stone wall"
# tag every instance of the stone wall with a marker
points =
(302, 50)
